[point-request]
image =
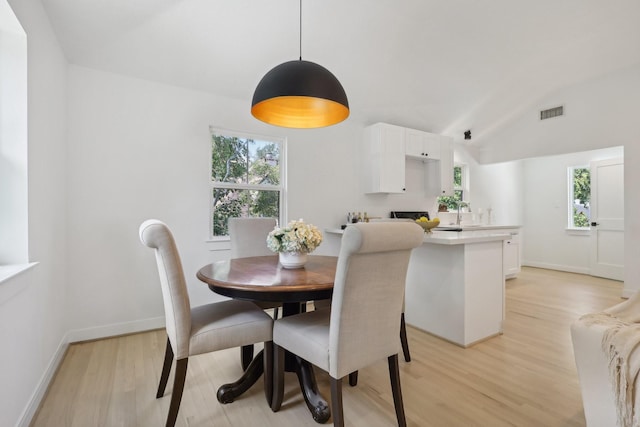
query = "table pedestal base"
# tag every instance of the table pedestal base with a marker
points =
(317, 405)
(227, 393)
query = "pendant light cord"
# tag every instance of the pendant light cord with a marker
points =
(300, 30)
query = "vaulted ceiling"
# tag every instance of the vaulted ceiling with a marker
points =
(439, 65)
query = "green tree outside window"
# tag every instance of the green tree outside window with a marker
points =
(458, 192)
(246, 179)
(581, 197)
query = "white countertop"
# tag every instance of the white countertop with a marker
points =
(472, 227)
(455, 237)
(464, 237)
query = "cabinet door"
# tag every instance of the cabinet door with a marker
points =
(432, 146)
(512, 256)
(439, 173)
(413, 143)
(384, 159)
(446, 166)
(422, 145)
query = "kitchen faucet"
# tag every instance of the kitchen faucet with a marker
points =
(460, 204)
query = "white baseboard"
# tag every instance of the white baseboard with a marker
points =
(34, 402)
(628, 293)
(559, 267)
(115, 329)
(76, 336)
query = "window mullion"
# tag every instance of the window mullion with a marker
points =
(243, 186)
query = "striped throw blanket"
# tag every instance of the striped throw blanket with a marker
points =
(621, 345)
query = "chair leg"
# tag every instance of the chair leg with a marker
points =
(278, 378)
(176, 393)
(166, 369)
(246, 356)
(336, 402)
(403, 339)
(268, 371)
(394, 374)
(353, 378)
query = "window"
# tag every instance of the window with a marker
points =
(247, 178)
(13, 141)
(579, 196)
(460, 191)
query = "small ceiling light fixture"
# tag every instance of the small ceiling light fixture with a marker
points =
(300, 94)
(467, 134)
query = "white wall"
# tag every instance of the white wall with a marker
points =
(632, 220)
(599, 113)
(32, 305)
(548, 243)
(497, 186)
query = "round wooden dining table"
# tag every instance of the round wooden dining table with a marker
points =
(264, 279)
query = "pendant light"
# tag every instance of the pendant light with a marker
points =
(300, 94)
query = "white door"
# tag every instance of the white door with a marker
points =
(607, 218)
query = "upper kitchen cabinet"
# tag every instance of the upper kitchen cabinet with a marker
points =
(446, 166)
(384, 159)
(439, 174)
(386, 149)
(422, 145)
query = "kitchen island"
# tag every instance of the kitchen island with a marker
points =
(455, 285)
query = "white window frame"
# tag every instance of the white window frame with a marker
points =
(282, 187)
(464, 180)
(14, 189)
(571, 198)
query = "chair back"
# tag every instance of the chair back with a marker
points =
(368, 293)
(249, 236)
(177, 308)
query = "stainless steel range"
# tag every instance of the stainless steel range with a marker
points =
(408, 214)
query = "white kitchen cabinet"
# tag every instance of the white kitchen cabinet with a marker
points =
(446, 166)
(439, 174)
(512, 255)
(386, 148)
(384, 159)
(422, 145)
(511, 264)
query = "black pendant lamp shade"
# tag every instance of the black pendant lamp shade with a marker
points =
(300, 94)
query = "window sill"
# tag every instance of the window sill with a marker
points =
(578, 231)
(219, 244)
(9, 271)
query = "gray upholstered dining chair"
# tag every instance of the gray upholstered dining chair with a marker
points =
(322, 304)
(326, 304)
(362, 325)
(202, 329)
(248, 237)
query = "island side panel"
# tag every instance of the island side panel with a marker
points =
(456, 291)
(434, 295)
(484, 291)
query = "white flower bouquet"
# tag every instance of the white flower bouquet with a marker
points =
(296, 237)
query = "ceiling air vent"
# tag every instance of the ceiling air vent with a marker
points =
(551, 113)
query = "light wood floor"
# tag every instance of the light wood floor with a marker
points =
(526, 377)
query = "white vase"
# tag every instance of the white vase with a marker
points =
(292, 259)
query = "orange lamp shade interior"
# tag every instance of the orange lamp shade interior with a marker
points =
(300, 112)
